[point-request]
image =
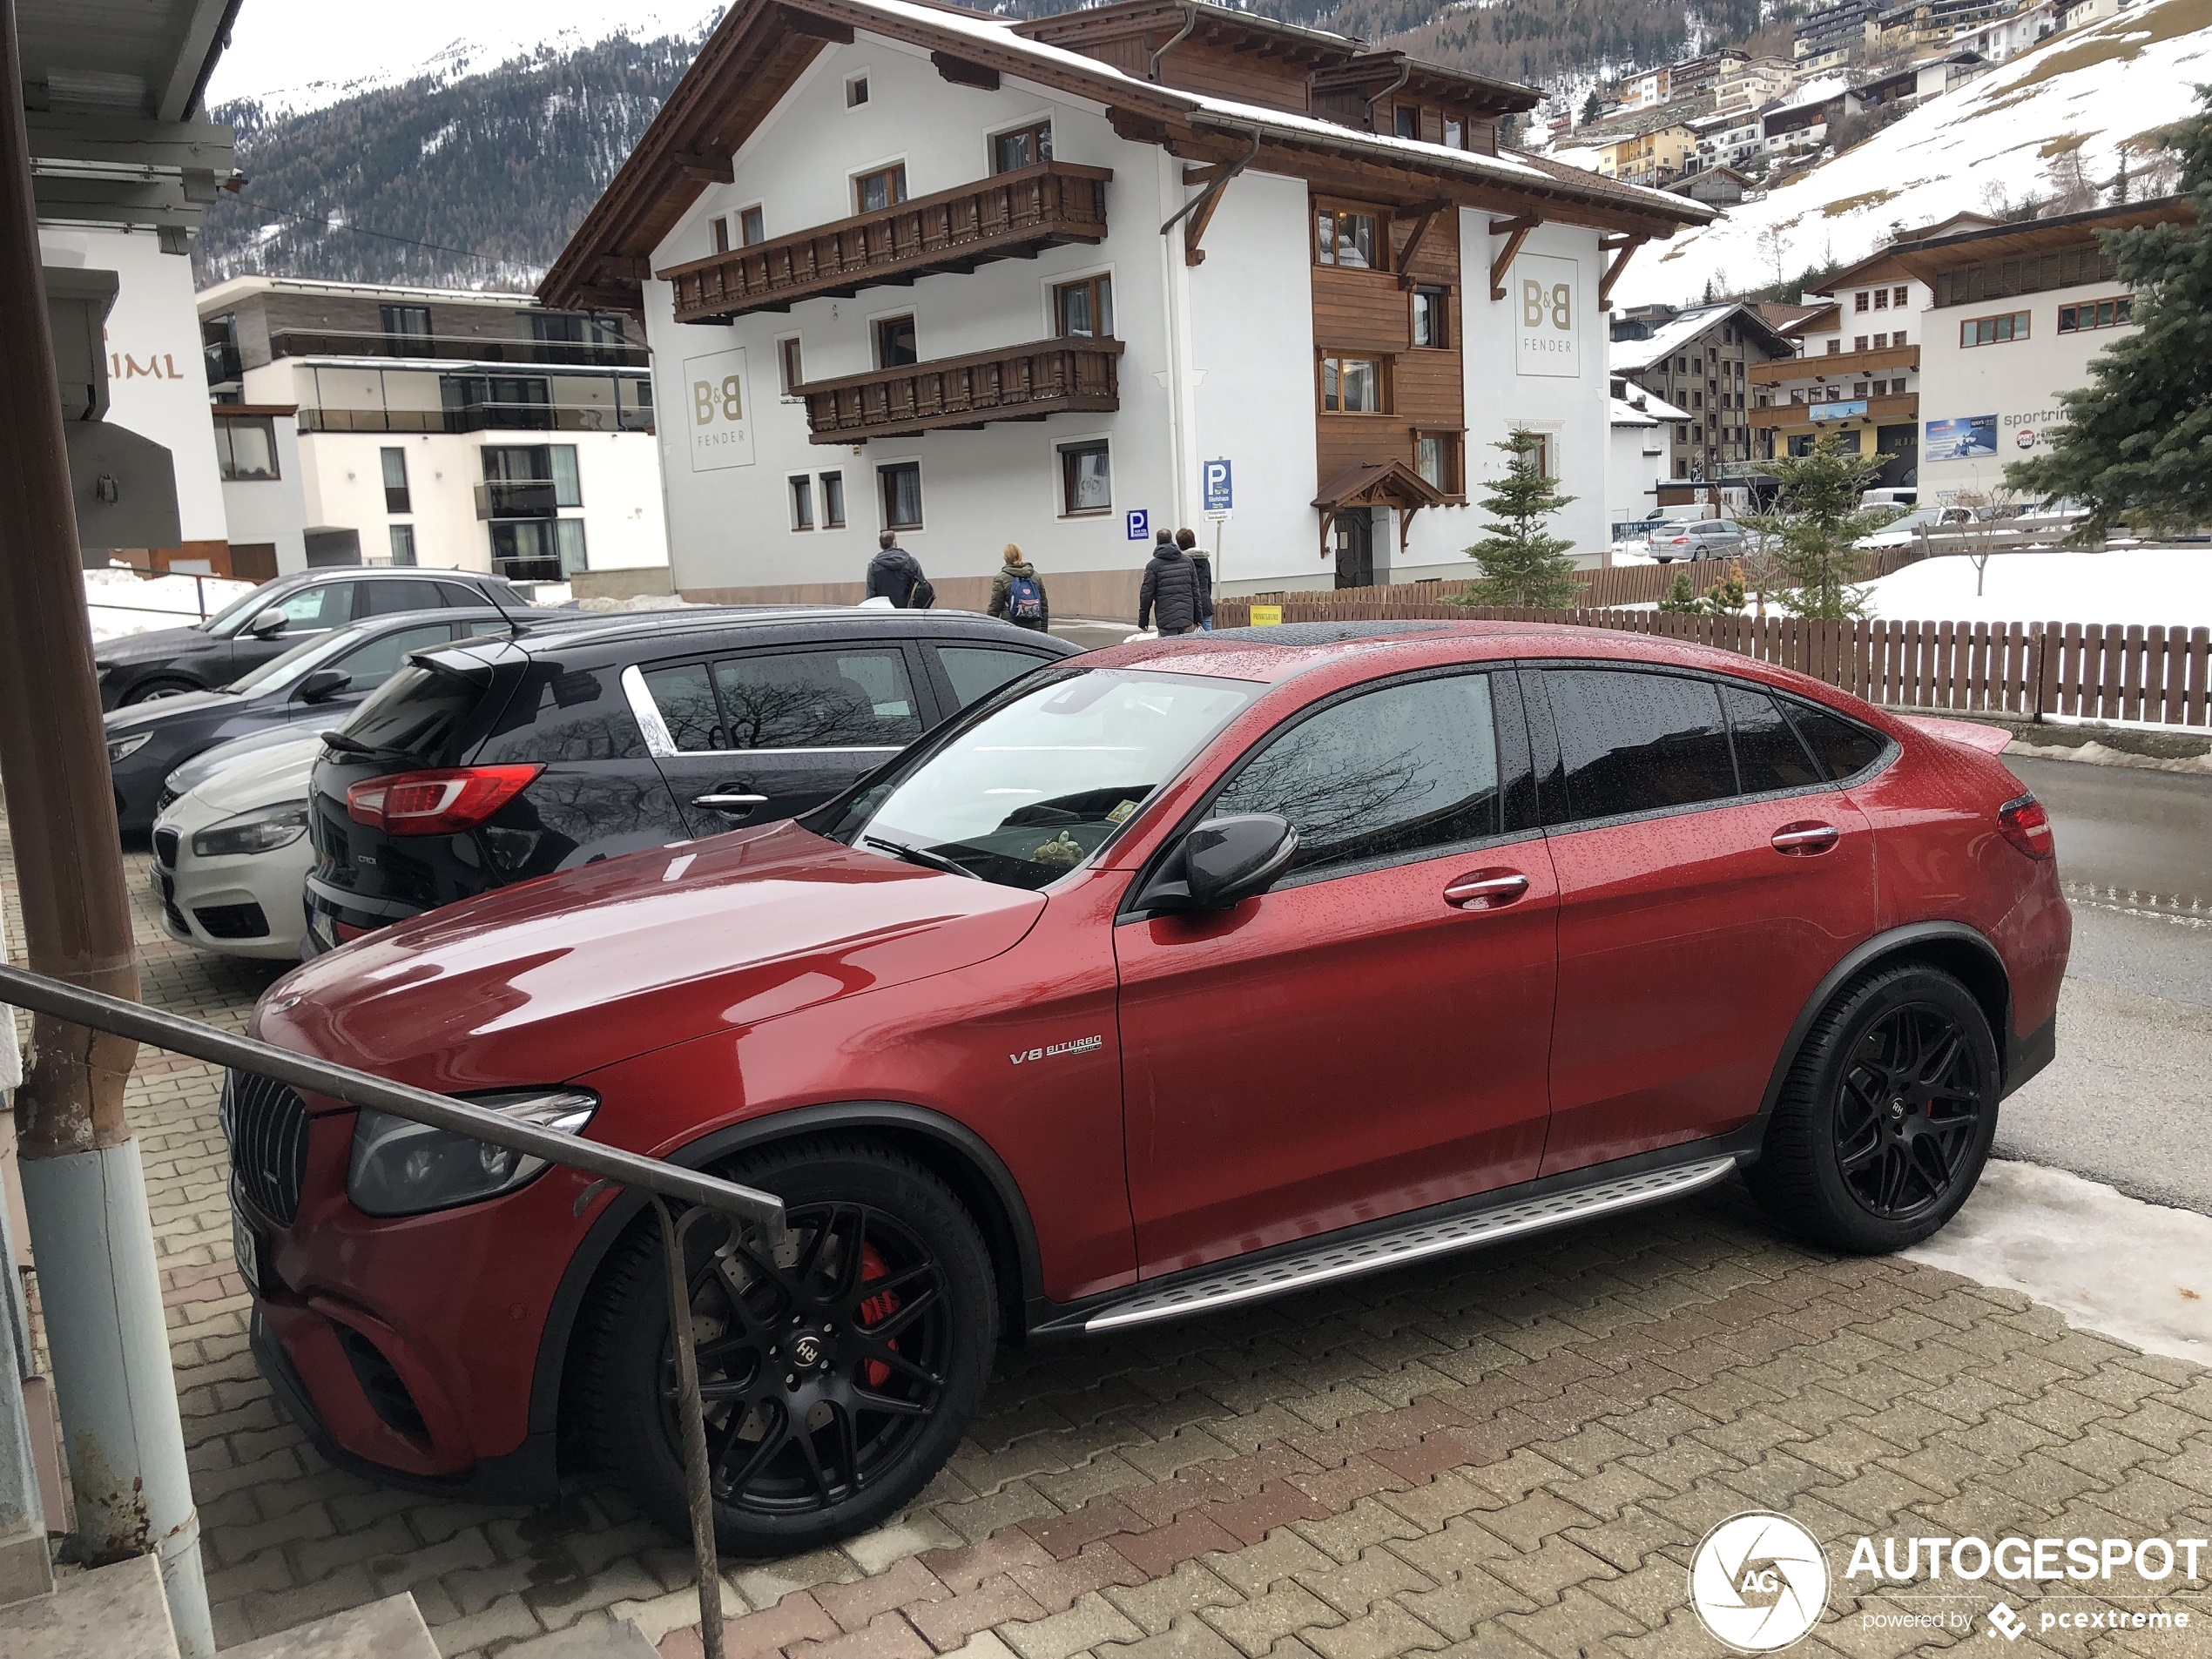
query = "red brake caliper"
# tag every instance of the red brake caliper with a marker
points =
(874, 1310)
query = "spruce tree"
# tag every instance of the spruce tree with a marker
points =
(2136, 449)
(1817, 518)
(1680, 599)
(1521, 565)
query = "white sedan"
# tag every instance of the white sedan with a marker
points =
(231, 855)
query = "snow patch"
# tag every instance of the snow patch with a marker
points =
(2155, 587)
(121, 602)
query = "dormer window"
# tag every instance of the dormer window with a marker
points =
(1455, 136)
(1409, 121)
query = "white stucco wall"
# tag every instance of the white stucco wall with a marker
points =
(272, 510)
(1635, 461)
(157, 386)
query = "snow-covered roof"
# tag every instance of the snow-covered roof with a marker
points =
(1653, 410)
(1669, 337)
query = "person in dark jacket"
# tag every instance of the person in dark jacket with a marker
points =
(1018, 595)
(1170, 590)
(1188, 541)
(893, 573)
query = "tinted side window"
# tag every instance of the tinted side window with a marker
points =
(555, 718)
(975, 669)
(1403, 772)
(685, 698)
(1768, 754)
(1638, 743)
(370, 665)
(462, 598)
(1844, 747)
(389, 598)
(859, 698)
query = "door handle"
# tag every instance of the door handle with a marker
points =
(735, 805)
(1487, 889)
(1802, 840)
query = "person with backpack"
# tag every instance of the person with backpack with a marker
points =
(895, 574)
(1017, 596)
(1187, 539)
(1170, 590)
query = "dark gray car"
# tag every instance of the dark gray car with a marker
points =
(320, 679)
(273, 619)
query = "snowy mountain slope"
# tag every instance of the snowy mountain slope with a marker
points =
(292, 58)
(1982, 147)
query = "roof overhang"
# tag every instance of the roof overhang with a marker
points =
(1379, 484)
(1929, 258)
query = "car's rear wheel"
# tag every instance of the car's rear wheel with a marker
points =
(1886, 1118)
(153, 690)
(837, 1373)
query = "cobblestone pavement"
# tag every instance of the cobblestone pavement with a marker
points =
(1512, 1454)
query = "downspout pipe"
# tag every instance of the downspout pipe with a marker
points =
(1189, 23)
(1405, 74)
(83, 1190)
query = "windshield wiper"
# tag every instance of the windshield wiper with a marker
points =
(921, 856)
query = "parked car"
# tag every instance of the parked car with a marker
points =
(1890, 495)
(276, 617)
(1177, 974)
(503, 761)
(231, 853)
(1697, 538)
(323, 679)
(1905, 531)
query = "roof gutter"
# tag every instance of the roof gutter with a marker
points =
(1189, 23)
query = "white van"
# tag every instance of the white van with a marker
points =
(1906, 496)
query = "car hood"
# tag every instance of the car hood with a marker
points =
(260, 779)
(163, 644)
(162, 710)
(547, 981)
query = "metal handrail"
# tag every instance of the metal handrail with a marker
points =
(98, 1011)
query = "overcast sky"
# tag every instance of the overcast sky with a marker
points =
(302, 54)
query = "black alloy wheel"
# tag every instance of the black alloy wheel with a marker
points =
(1885, 1117)
(838, 1371)
(1913, 1094)
(818, 1362)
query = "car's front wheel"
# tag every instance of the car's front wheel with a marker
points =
(153, 690)
(1887, 1114)
(838, 1371)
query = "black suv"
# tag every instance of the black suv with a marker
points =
(264, 625)
(483, 764)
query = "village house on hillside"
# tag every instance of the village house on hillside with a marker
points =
(1069, 281)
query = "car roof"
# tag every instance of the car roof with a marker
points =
(673, 627)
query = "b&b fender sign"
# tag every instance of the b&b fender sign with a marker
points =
(718, 410)
(1545, 294)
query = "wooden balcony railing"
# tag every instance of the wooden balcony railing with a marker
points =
(1880, 411)
(1008, 215)
(1014, 383)
(1835, 366)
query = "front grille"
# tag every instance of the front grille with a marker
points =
(266, 1127)
(232, 920)
(166, 843)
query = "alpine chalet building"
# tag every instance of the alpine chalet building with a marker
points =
(1066, 282)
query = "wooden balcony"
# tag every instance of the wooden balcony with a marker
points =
(1014, 383)
(1880, 411)
(1833, 367)
(1010, 215)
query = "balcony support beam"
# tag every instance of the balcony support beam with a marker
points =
(1515, 231)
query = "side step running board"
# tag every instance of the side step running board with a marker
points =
(1327, 1262)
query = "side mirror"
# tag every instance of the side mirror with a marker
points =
(271, 621)
(322, 685)
(1222, 862)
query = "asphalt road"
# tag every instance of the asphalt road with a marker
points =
(2128, 1100)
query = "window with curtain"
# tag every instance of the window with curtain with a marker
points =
(1086, 478)
(1351, 385)
(396, 497)
(1023, 147)
(568, 488)
(832, 501)
(1353, 237)
(901, 485)
(402, 544)
(246, 447)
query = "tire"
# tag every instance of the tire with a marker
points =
(160, 686)
(1886, 1119)
(910, 1324)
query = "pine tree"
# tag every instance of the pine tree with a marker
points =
(1725, 597)
(1681, 599)
(1521, 565)
(1810, 536)
(1592, 107)
(2132, 449)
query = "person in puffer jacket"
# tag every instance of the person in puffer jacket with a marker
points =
(1188, 541)
(1170, 590)
(1018, 595)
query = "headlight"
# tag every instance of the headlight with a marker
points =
(122, 748)
(402, 1168)
(261, 832)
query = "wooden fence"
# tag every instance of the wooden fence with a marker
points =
(2161, 676)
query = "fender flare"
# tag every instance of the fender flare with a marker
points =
(1894, 941)
(559, 1329)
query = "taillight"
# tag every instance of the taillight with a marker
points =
(2027, 826)
(436, 802)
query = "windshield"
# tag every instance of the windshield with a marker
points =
(1046, 775)
(301, 659)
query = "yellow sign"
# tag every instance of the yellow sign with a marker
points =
(1267, 617)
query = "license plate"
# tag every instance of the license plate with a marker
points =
(245, 1248)
(320, 926)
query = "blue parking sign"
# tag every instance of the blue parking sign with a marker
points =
(1221, 494)
(1140, 524)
